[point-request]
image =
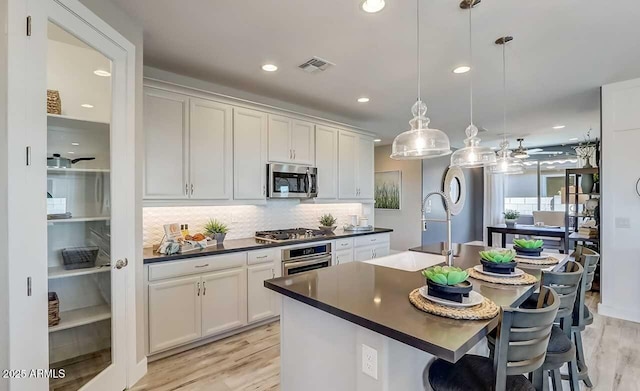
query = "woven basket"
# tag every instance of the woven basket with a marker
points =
(54, 104)
(54, 309)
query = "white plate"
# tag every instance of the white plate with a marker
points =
(516, 273)
(474, 299)
(541, 256)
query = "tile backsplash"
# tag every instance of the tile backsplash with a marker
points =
(245, 220)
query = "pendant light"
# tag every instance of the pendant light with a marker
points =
(505, 164)
(472, 155)
(420, 142)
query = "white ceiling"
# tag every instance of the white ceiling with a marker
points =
(562, 52)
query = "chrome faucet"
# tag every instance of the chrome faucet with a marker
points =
(448, 251)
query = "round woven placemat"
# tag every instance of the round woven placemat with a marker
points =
(486, 310)
(547, 261)
(525, 279)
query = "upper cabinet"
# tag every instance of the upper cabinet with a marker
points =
(291, 140)
(355, 166)
(188, 147)
(166, 121)
(249, 154)
(327, 161)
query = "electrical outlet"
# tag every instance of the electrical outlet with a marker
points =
(370, 361)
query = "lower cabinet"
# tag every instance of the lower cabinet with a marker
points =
(370, 247)
(262, 303)
(224, 301)
(344, 256)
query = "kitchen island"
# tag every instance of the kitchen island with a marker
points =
(328, 315)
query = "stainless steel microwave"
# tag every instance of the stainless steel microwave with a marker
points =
(291, 181)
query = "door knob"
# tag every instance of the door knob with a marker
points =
(121, 263)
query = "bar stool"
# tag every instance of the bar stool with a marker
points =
(561, 349)
(523, 336)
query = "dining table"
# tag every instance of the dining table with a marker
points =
(528, 230)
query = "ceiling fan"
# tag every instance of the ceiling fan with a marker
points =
(521, 152)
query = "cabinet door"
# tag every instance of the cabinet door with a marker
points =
(224, 301)
(302, 142)
(381, 250)
(347, 164)
(327, 161)
(166, 117)
(280, 139)
(249, 154)
(365, 167)
(211, 147)
(363, 253)
(261, 301)
(344, 256)
(174, 313)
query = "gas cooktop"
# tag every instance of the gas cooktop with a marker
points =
(283, 235)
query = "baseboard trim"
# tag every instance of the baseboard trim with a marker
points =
(620, 313)
(138, 372)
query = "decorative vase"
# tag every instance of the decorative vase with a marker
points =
(499, 268)
(449, 292)
(588, 163)
(587, 183)
(511, 223)
(532, 252)
(327, 229)
(219, 237)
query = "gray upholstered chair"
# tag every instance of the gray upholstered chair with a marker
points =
(523, 336)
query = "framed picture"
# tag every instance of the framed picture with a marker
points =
(387, 191)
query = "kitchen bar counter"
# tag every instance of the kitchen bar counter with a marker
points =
(376, 298)
(248, 244)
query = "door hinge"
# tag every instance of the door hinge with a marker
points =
(29, 26)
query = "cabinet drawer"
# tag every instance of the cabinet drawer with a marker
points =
(343, 244)
(261, 256)
(197, 265)
(371, 239)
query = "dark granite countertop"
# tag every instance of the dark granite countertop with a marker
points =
(239, 245)
(376, 297)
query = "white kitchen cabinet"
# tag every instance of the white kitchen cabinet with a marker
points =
(224, 301)
(371, 252)
(326, 151)
(355, 166)
(174, 312)
(210, 150)
(261, 302)
(249, 154)
(344, 256)
(290, 140)
(166, 121)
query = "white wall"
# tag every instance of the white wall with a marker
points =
(406, 221)
(620, 219)
(4, 265)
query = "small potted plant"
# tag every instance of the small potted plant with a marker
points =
(216, 230)
(510, 217)
(498, 261)
(528, 247)
(327, 223)
(447, 282)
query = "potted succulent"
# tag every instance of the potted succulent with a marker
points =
(498, 261)
(510, 217)
(327, 223)
(528, 247)
(447, 282)
(216, 230)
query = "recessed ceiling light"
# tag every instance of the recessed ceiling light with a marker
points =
(269, 67)
(71, 152)
(376, 140)
(551, 167)
(364, 99)
(559, 127)
(573, 139)
(102, 72)
(87, 106)
(372, 6)
(462, 69)
(75, 144)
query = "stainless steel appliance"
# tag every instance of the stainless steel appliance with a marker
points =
(304, 258)
(291, 181)
(283, 235)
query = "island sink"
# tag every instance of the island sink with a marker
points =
(410, 261)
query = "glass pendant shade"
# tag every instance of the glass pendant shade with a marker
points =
(506, 164)
(473, 155)
(420, 142)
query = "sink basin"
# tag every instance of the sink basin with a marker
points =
(410, 261)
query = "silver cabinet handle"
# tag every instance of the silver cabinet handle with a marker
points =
(373, 240)
(192, 189)
(198, 285)
(291, 154)
(294, 153)
(199, 266)
(186, 189)
(204, 288)
(344, 244)
(264, 190)
(273, 273)
(261, 257)
(121, 263)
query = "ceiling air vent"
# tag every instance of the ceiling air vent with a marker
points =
(315, 64)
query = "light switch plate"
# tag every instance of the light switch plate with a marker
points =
(370, 361)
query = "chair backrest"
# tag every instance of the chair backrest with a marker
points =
(523, 337)
(549, 217)
(566, 284)
(589, 260)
